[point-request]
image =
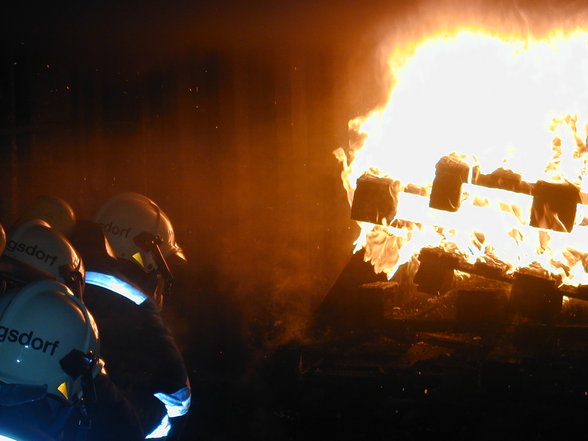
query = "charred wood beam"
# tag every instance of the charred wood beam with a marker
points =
(554, 205)
(435, 273)
(536, 297)
(450, 174)
(481, 306)
(375, 199)
(580, 293)
(347, 307)
(436, 270)
(533, 295)
(502, 179)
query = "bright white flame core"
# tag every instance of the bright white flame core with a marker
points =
(501, 102)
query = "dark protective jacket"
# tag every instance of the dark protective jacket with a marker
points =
(108, 417)
(139, 349)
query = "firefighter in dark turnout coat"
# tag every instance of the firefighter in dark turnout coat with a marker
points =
(52, 382)
(126, 249)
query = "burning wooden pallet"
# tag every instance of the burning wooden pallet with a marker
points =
(554, 204)
(531, 293)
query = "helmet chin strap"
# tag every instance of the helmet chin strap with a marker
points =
(151, 243)
(73, 277)
(77, 364)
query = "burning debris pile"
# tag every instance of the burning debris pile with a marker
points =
(456, 287)
(464, 307)
(469, 184)
(534, 292)
(469, 189)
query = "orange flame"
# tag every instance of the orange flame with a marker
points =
(498, 101)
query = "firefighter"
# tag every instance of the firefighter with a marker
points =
(53, 210)
(127, 249)
(53, 384)
(34, 244)
(142, 234)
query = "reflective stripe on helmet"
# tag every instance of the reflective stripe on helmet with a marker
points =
(116, 285)
(176, 404)
(7, 438)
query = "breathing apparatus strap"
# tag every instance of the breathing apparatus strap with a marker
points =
(77, 364)
(73, 277)
(150, 242)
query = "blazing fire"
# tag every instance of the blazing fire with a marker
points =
(493, 106)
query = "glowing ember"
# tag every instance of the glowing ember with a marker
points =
(495, 102)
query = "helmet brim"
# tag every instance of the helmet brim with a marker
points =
(176, 257)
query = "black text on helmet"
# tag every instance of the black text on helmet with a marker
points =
(116, 230)
(31, 250)
(26, 339)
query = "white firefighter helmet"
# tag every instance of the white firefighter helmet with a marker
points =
(133, 223)
(38, 245)
(53, 210)
(47, 338)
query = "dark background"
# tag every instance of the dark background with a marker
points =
(226, 114)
